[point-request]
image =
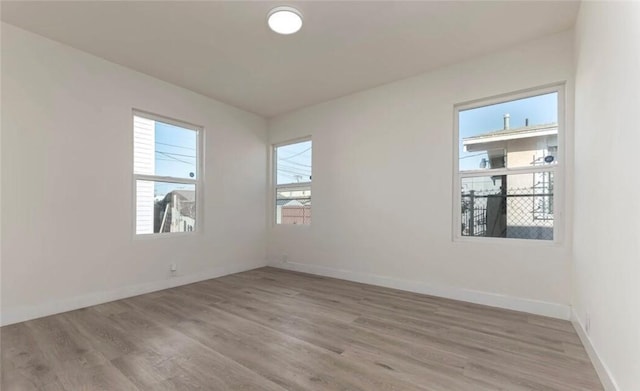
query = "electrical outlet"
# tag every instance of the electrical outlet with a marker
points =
(173, 268)
(285, 258)
(587, 323)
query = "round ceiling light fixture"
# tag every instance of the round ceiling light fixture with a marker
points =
(284, 20)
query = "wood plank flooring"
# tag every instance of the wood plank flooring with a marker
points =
(269, 329)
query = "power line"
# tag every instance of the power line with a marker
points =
(293, 168)
(294, 155)
(296, 163)
(176, 146)
(175, 154)
(297, 169)
(174, 158)
(477, 154)
(296, 173)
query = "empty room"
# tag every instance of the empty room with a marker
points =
(320, 195)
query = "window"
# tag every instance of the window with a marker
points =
(293, 182)
(166, 162)
(507, 164)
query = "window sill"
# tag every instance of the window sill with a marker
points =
(166, 235)
(508, 241)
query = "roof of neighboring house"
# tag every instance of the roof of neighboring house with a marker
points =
(185, 195)
(511, 134)
(189, 211)
(293, 202)
(186, 201)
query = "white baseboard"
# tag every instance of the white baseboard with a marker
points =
(12, 315)
(554, 310)
(601, 369)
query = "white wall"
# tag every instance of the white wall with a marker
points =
(67, 202)
(607, 187)
(382, 187)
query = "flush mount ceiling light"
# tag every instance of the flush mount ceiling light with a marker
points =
(284, 20)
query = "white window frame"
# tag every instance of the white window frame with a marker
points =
(290, 186)
(198, 181)
(557, 169)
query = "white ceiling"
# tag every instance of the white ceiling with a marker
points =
(225, 50)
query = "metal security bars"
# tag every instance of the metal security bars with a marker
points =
(511, 215)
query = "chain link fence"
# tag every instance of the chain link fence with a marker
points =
(524, 213)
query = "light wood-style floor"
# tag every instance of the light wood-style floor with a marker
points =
(269, 329)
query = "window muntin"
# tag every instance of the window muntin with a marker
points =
(507, 156)
(166, 167)
(293, 183)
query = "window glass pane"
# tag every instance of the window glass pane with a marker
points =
(165, 207)
(293, 163)
(508, 206)
(163, 149)
(519, 133)
(293, 205)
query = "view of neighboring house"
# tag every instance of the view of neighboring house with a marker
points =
(513, 206)
(293, 166)
(176, 212)
(293, 206)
